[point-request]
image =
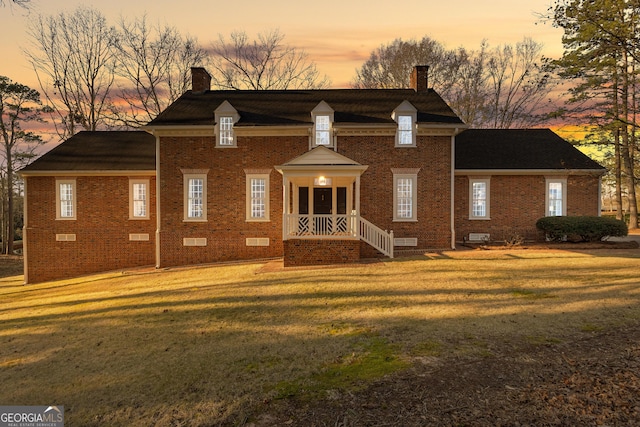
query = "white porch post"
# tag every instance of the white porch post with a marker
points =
(285, 206)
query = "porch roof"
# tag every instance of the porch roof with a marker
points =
(322, 159)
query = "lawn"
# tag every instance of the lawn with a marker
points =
(221, 344)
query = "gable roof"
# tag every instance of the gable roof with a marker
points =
(293, 107)
(99, 151)
(513, 149)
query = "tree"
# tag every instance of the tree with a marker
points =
(600, 59)
(502, 87)
(261, 64)
(154, 63)
(75, 62)
(18, 104)
(22, 3)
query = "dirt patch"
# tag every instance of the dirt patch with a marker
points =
(593, 380)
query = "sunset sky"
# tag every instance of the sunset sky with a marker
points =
(338, 35)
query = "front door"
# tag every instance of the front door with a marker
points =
(322, 201)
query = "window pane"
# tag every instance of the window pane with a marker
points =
(323, 126)
(479, 199)
(258, 195)
(555, 199)
(226, 130)
(139, 200)
(405, 130)
(66, 200)
(404, 197)
(195, 195)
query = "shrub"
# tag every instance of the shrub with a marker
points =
(580, 228)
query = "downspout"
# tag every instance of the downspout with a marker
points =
(452, 192)
(158, 219)
(599, 197)
(25, 222)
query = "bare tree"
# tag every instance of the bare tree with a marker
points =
(154, 62)
(519, 85)
(18, 104)
(25, 4)
(502, 87)
(264, 63)
(74, 60)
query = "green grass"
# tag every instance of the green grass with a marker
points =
(218, 344)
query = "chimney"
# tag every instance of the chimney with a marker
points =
(200, 80)
(419, 79)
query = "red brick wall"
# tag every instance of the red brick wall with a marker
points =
(226, 228)
(432, 156)
(301, 252)
(102, 229)
(517, 202)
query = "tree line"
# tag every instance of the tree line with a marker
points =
(96, 75)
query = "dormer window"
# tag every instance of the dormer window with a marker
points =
(405, 116)
(405, 130)
(322, 117)
(226, 117)
(226, 131)
(323, 130)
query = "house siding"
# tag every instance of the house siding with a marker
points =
(517, 202)
(101, 229)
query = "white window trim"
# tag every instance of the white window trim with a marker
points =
(132, 183)
(411, 174)
(188, 175)
(403, 110)
(563, 182)
(487, 215)
(249, 177)
(74, 200)
(322, 109)
(226, 110)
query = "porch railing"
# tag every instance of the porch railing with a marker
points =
(320, 226)
(338, 227)
(380, 239)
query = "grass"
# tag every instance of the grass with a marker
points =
(216, 344)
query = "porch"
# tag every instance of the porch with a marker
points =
(321, 210)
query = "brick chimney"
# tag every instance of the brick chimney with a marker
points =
(419, 79)
(200, 80)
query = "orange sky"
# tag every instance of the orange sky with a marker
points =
(337, 34)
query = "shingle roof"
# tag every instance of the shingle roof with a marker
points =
(100, 151)
(291, 107)
(510, 149)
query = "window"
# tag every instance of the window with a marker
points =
(226, 117)
(195, 196)
(556, 197)
(404, 197)
(405, 116)
(322, 116)
(66, 199)
(479, 198)
(139, 199)
(257, 197)
(405, 130)
(323, 126)
(226, 131)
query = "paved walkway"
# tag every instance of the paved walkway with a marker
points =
(634, 235)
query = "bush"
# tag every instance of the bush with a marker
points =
(581, 228)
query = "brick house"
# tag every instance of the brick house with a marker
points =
(313, 176)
